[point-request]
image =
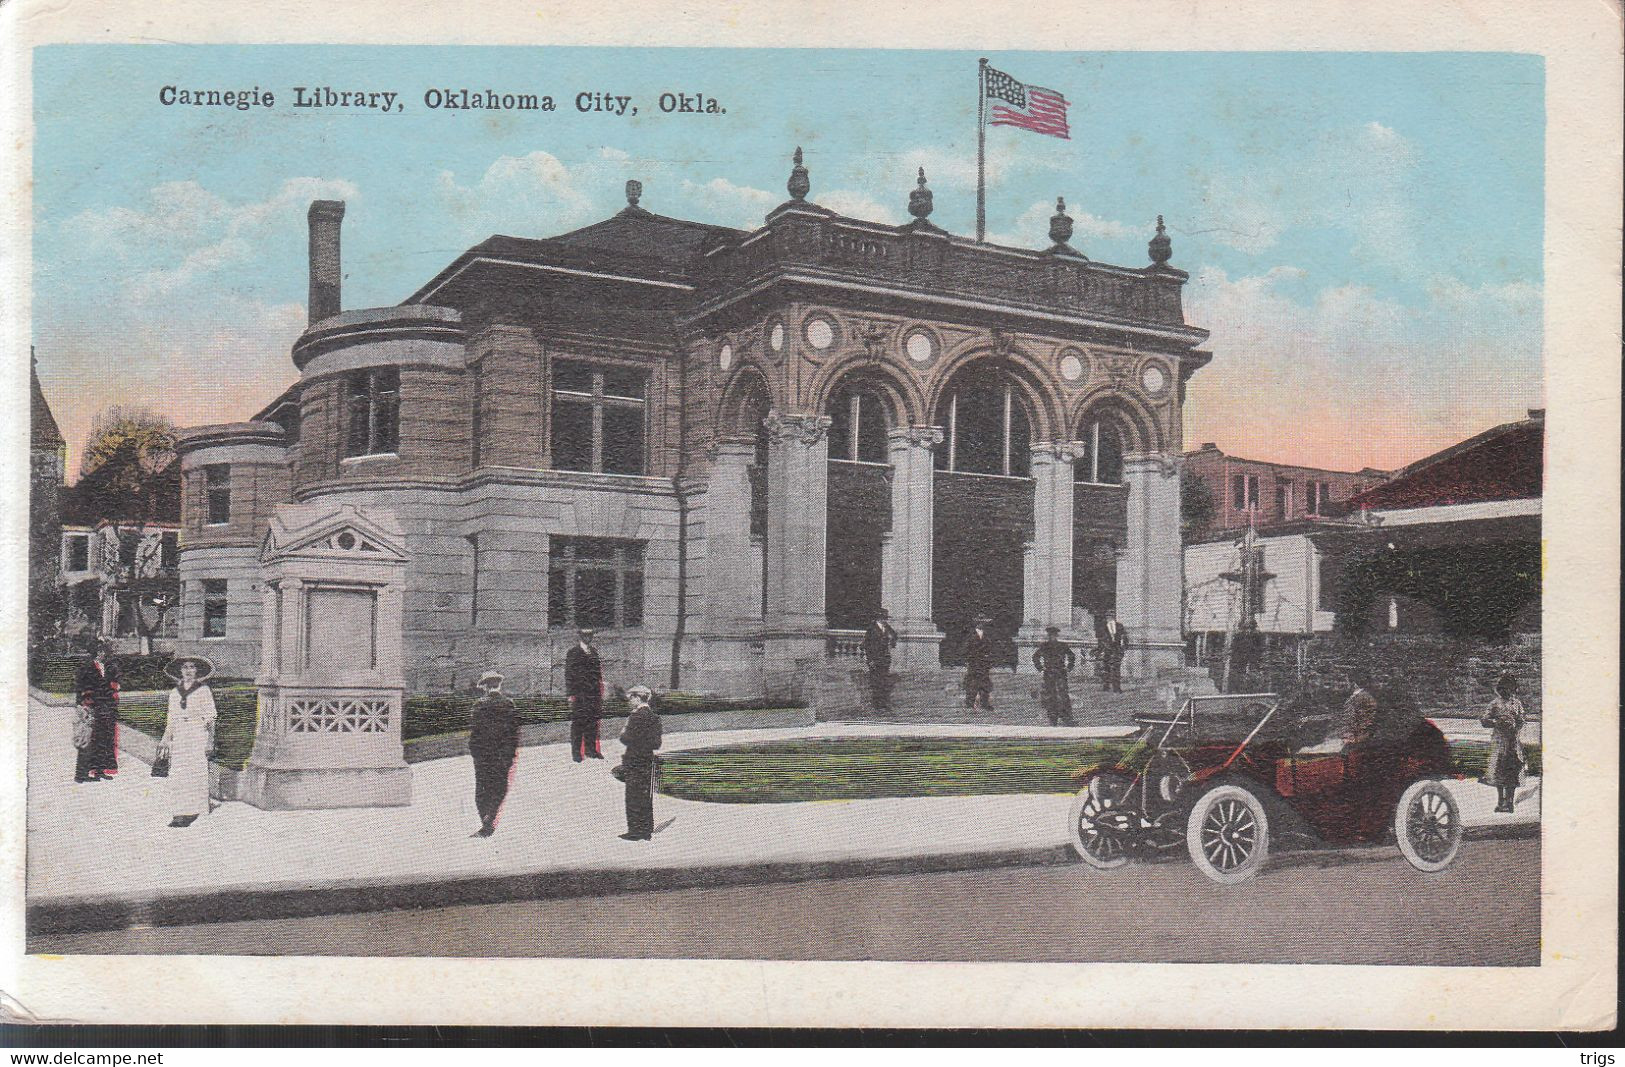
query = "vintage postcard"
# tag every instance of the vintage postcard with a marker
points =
(832, 517)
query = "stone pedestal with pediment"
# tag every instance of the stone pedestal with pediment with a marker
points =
(331, 687)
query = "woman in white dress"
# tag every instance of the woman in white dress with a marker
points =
(189, 738)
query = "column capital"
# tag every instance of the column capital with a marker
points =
(1055, 451)
(915, 436)
(802, 427)
(1163, 463)
(733, 447)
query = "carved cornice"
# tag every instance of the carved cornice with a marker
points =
(796, 426)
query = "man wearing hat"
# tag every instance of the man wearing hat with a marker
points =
(979, 666)
(1054, 660)
(642, 737)
(584, 685)
(1113, 645)
(877, 646)
(493, 741)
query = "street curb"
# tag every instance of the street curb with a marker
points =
(90, 914)
(103, 913)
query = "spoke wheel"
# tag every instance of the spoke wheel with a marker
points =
(1427, 826)
(1228, 834)
(1099, 846)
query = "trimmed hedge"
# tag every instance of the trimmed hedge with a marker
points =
(137, 673)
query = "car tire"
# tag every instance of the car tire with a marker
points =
(1228, 834)
(1103, 853)
(1427, 825)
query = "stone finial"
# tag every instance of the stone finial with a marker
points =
(634, 192)
(1060, 223)
(798, 184)
(1162, 248)
(919, 199)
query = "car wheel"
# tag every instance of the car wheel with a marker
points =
(1100, 846)
(1427, 825)
(1228, 834)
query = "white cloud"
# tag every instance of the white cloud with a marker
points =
(1346, 378)
(853, 204)
(1031, 229)
(721, 201)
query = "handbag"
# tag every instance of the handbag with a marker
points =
(160, 762)
(82, 728)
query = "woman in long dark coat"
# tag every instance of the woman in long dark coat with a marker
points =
(96, 689)
(1505, 718)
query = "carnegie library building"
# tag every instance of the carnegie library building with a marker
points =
(726, 450)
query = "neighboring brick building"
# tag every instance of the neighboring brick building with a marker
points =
(719, 446)
(1268, 494)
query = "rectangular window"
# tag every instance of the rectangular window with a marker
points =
(1243, 492)
(1283, 498)
(169, 550)
(474, 582)
(476, 399)
(217, 493)
(78, 553)
(1319, 497)
(373, 401)
(599, 418)
(595, 582)
(214, 607)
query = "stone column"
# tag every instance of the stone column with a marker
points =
(1151, 569)
(906, 556)
(797, 494)
(1047, 590)
(733, 583)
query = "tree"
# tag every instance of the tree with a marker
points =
(1196, 507)
(130, 480)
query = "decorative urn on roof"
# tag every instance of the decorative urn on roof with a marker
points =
(798, 183)
(919, 199)
(1060, 223)
(1162, 248)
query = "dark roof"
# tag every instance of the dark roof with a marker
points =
(632, 242)
(1503, 463)
(46, 433)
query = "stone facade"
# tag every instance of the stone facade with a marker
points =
(634, 422)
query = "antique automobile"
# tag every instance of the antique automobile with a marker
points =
(1229, 778)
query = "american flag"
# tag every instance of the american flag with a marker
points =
(1031, 107)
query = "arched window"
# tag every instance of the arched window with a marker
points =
(857, 430)
(986, 430)
(1101, 460)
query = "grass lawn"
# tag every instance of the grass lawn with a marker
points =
(867, 768)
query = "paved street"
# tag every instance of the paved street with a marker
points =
(1361, 906)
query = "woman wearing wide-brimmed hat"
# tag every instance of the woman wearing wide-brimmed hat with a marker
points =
(189, 738)
(1505, 718)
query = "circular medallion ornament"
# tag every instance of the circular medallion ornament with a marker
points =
(1153, 378)
(919, 346)
(775, 337)
(1072, 367)
(820, 334)
(725, 357)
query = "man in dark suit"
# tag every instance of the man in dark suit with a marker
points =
(1054, 660)
(493, 741)
(642, 737)
(1113, 644)
(96, 686)
(877, 646)
(979, 666)
(584, 685)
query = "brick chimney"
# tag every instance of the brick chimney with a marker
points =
(325, 219)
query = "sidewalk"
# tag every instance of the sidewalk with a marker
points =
(101, 855)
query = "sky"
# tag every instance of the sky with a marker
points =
(1363, 231)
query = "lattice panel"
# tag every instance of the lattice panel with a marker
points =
(339, 715)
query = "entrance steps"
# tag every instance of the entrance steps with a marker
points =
(839, 692)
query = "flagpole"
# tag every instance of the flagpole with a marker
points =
(981, 150)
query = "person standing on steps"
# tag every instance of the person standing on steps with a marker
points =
(188, 738)
(1054, 660)
(1505, 718)
(1113, 645)
(877, 646)
(642, 738)
(584, 685)
(96, 689)
(493, 741)
(979, 666)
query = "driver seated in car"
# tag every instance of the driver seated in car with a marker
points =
(1356, 722)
